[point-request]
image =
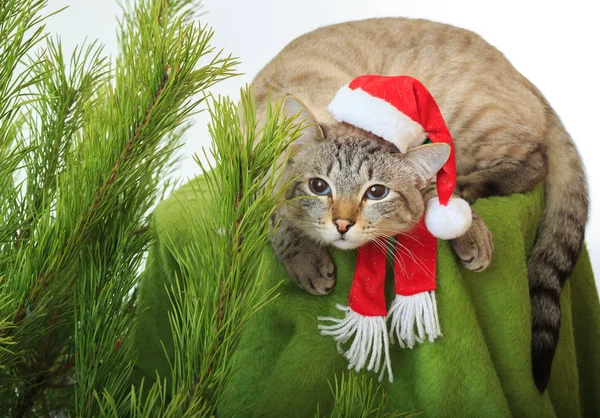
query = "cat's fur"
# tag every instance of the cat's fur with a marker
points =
(507, 139)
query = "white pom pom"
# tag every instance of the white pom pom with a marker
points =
(450, 221)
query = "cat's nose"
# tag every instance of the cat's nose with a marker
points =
(343, 225)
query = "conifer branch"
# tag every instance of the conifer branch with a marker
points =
(358, 397)
(27, 399)
(73, 259)
(220, 285)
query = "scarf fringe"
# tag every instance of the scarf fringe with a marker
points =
(370, 337)
(413, 318)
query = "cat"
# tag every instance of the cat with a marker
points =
(507, 139)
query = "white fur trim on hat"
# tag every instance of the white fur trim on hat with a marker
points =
(450, 221)
(375, 115)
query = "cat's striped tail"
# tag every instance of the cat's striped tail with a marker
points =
(559, 242)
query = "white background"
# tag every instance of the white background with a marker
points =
(554, 44)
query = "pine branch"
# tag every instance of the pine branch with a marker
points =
(91, 211)
(53, 124)
(21, 29)
(99, 138)
(220, 285)
(357, 397)
(27, 399)
(167, 101)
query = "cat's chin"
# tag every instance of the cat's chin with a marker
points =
(344, 244)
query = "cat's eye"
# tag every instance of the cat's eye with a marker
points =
(319, 186)
(376, 192)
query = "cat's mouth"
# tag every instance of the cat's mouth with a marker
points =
(347, 241)
(345, 244)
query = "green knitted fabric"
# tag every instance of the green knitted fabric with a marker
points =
(479, 368)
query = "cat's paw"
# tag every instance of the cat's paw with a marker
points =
(312, 269)
(476, 247)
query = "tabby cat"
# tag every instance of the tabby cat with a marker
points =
(507, 138)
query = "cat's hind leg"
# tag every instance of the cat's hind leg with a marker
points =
(507, 169)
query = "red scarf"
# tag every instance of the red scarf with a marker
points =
(413, 313)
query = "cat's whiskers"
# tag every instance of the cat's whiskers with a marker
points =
(402, 248)
(406, 233)
(392, 255)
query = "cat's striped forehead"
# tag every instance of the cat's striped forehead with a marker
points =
(350, 162)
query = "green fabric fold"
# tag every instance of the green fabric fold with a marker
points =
(479, 368)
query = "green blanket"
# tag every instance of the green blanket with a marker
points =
(479, 368)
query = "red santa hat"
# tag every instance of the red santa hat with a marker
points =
(402, 111)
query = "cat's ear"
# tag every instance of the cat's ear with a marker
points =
(312, 131)
(426, 161)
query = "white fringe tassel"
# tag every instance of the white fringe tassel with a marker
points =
(370, 337)
(413, 318)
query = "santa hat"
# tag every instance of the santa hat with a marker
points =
(402, 111)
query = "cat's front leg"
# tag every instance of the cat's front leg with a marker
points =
(307, 262)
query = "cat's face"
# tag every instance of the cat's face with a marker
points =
(354, 188)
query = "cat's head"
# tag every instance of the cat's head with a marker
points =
(353, 187)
